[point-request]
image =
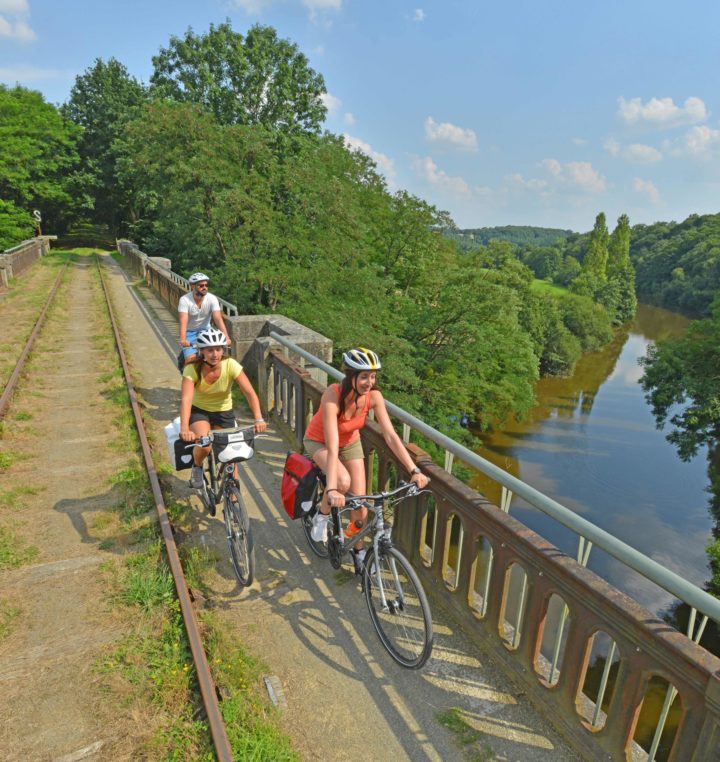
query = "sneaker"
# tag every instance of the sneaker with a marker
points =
(196, 477)
(358, 559)
(319, 527)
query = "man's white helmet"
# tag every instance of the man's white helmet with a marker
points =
(197, 278)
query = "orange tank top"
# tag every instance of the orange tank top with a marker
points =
(348, 429)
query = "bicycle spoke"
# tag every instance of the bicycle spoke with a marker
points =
(239, 536)
(398, 607)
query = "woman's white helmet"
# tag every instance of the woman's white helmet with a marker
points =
(197, 278)
(210, 337)
(361, 359)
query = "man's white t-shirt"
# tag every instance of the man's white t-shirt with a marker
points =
(198, 317)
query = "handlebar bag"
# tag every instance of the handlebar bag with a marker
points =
(183, 454)
(298, 482)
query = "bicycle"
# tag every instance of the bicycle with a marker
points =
(395, 598)
(232, 446)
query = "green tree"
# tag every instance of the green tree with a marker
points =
(15, 225)
(256, 79)
(102, 101)
(39, 163)
(618, 294)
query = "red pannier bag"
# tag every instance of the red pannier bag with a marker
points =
(298, 482)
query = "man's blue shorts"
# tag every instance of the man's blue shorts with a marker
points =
(191, 336)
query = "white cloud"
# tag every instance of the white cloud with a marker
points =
(583, 175)
(635, 153)
(612, 147)
(14, 74)
(580, 141)
(648, 187)
(322, 5)
(699, 141)
(349, 118)
(661, 112)
(553, 166)
(419, 15)
(575, 174)
(14, 6)
(427, 170)
(516, 180)
(314, 6)
(639, 153)
(331, 103)
(13, 20)
(384, 163)
(449, 135)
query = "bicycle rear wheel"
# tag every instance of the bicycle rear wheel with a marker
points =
(318, 548)
(239, 536)
(404, 624)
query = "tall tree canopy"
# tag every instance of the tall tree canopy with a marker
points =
(102, 101)
(39, 165)
(256, 79)
(314, 234)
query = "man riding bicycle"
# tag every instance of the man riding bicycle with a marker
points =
(196, 310)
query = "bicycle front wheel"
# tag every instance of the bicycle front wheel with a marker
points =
(402, 620)
(239, 536)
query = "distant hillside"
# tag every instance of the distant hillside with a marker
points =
(521, 235)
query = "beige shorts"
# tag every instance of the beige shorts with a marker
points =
(351, 451)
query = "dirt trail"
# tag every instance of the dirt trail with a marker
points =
(343, 697)
(58, 432)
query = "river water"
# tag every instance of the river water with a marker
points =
(592, 445)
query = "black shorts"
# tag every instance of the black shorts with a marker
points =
(222, 420)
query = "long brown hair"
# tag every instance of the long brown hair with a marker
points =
(346, 386)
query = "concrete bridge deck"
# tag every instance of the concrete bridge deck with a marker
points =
(343, 698)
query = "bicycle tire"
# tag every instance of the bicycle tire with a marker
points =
(207, 496)
(239, 536)
(320, 549)
(405, 626)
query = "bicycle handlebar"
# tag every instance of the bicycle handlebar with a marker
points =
(410, 487)
(206, 440)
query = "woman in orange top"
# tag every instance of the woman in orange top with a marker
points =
(333, 437)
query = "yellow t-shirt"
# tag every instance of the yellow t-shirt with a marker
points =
(217, 397)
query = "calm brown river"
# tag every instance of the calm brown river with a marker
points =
(592, 445)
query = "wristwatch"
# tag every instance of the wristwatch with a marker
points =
(415, 470)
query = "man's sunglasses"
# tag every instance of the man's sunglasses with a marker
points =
(201, 285)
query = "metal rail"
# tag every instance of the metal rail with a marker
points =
(202, 668)
(661, 576)
(20, 364)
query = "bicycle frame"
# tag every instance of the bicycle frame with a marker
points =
(381, 534)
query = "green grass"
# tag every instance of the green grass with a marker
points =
(6, 460)
(540, 286)
(13, 551)
(7, 615)
(21, 416)
(10, 498)
(465, 736)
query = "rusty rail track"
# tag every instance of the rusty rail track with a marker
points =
(202, 668)
(20, 364)
(208, 690)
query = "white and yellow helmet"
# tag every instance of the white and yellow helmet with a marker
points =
(361, 359)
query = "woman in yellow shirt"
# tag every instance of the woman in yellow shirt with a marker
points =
(206, 396)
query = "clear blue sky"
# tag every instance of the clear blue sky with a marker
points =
(524, 112)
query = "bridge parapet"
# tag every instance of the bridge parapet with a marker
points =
(603, 669)
(15, 261)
